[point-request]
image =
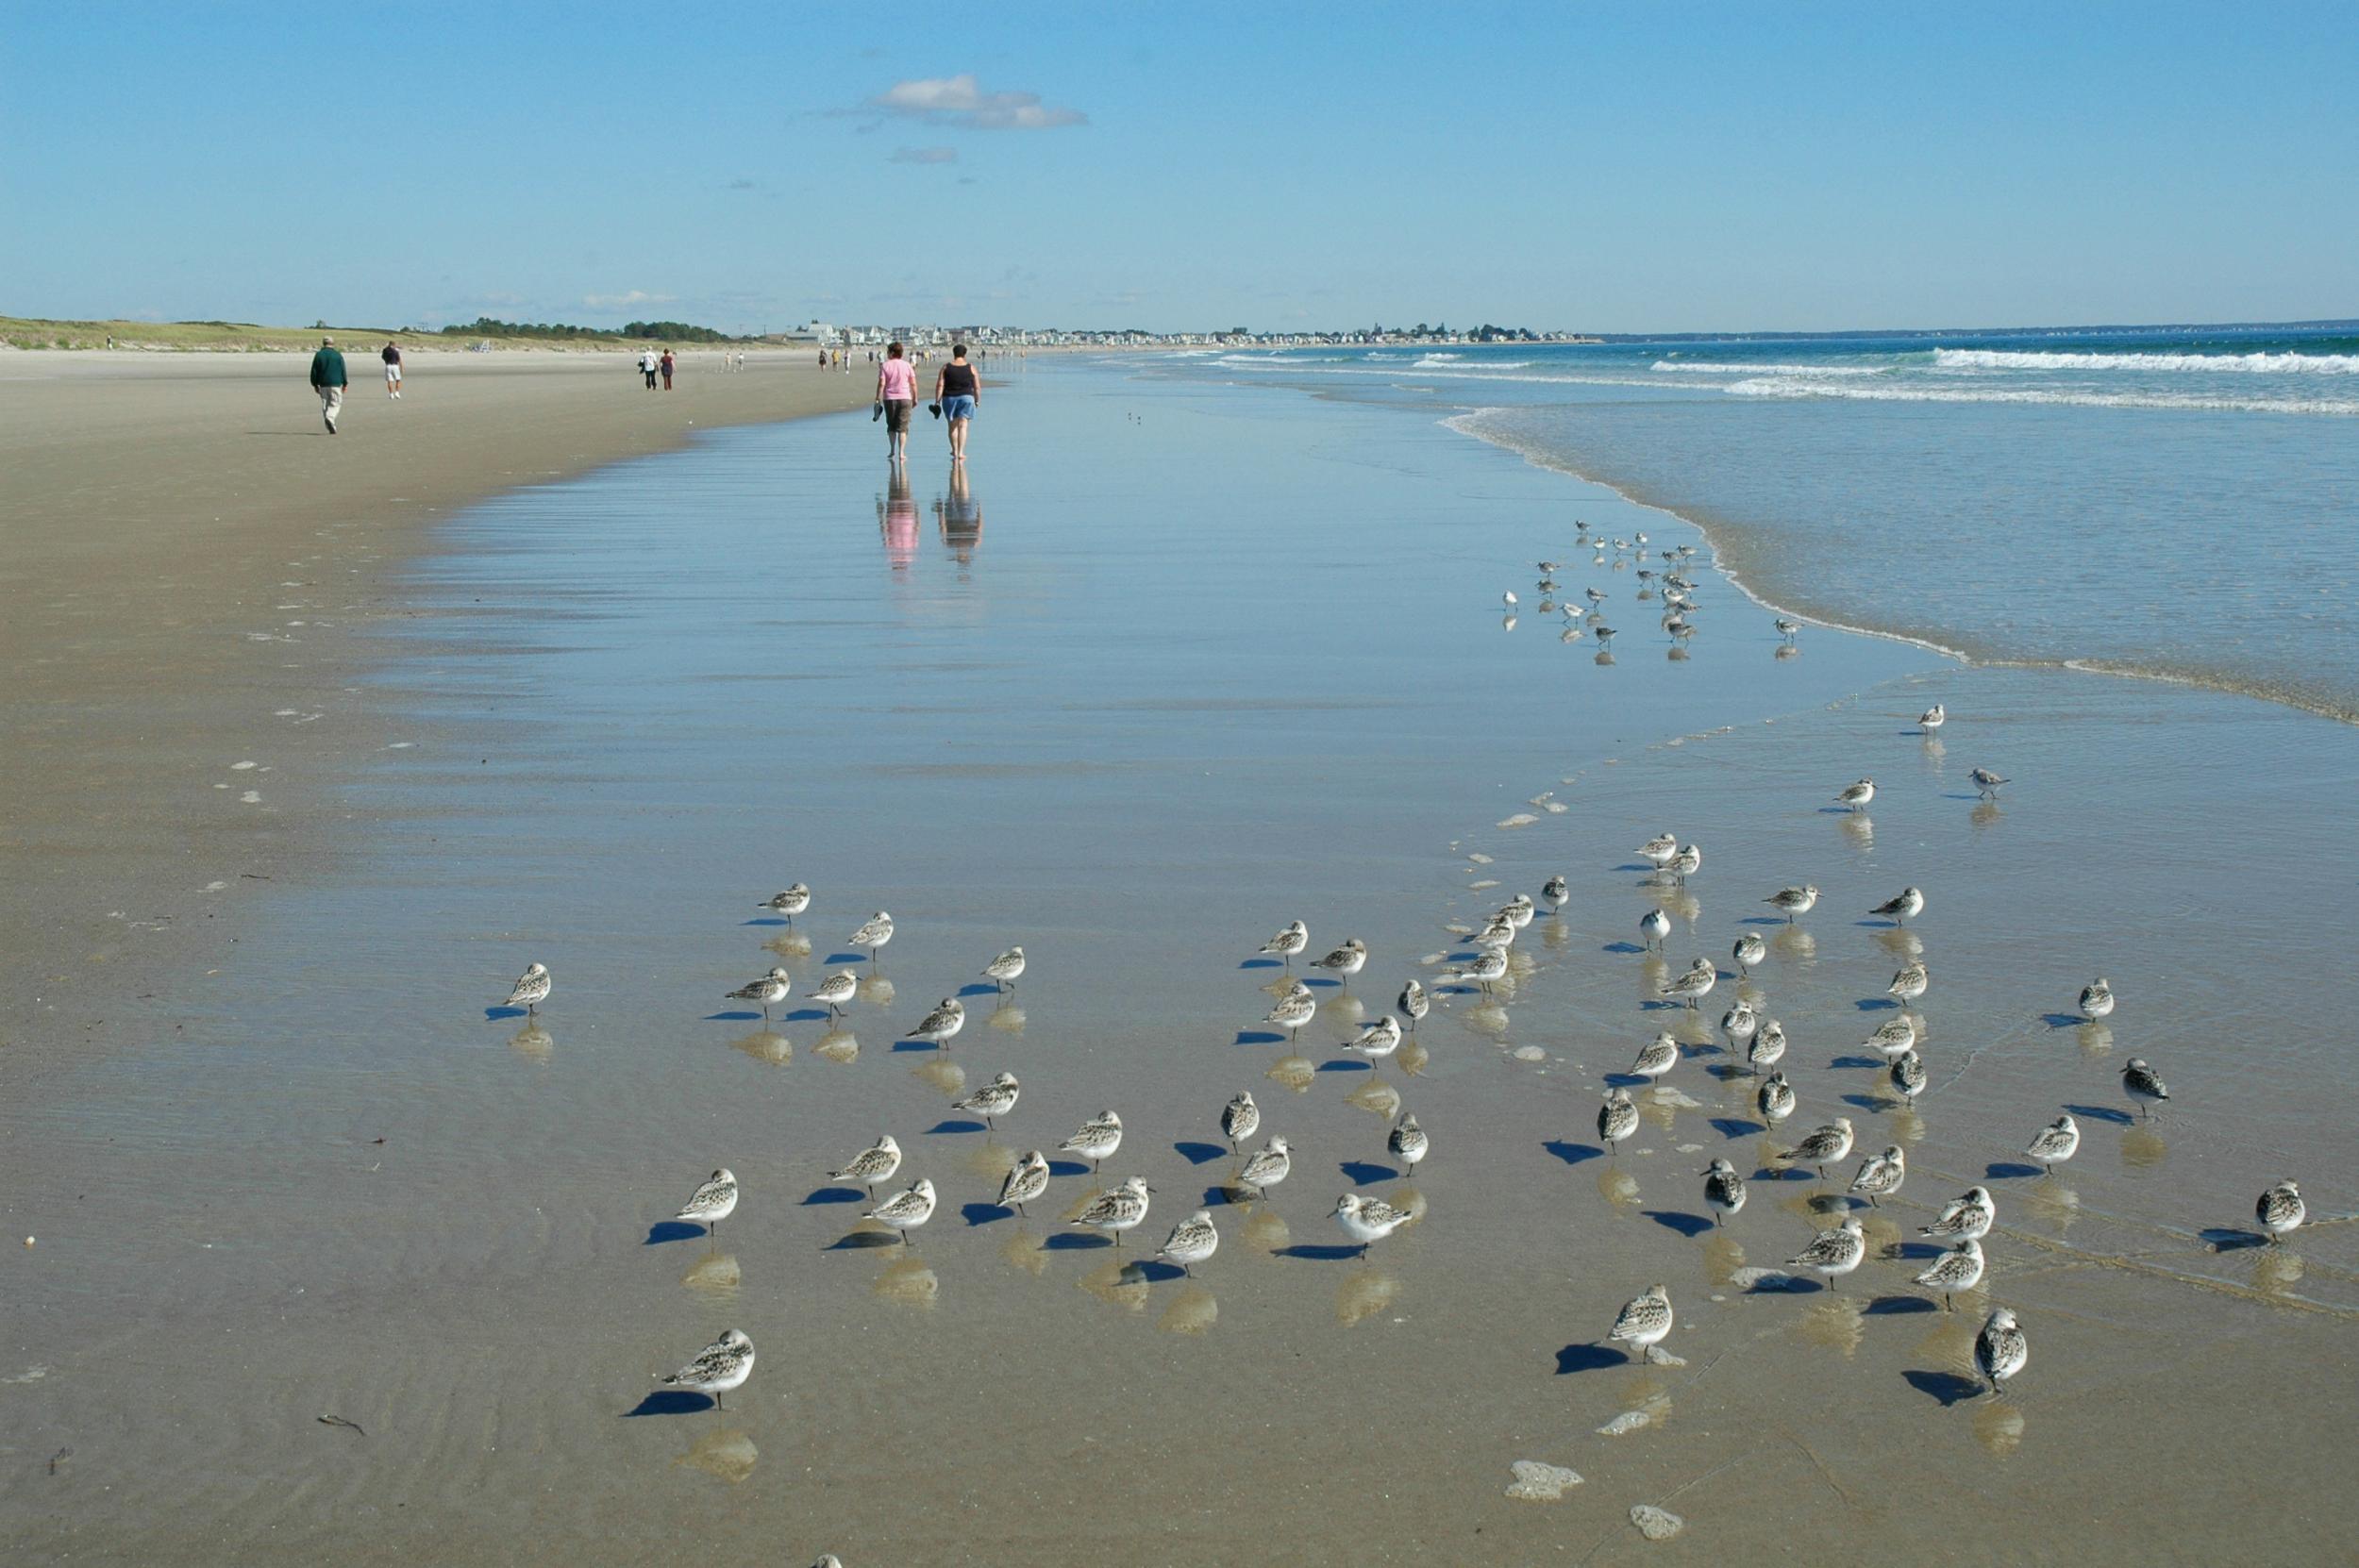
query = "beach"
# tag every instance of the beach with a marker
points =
(1175, 662)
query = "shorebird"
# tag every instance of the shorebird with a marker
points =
(1908, 1075)
(1345, 960)
(2001, 1349)
(1857, 795)
(905, 1211)
(1749, 951)
(1793, 901)
(1932, 718)
(1902, 907)
(723, 1365)
(1959, 1269)
(1660, 849)
(1767, 1047)
(1192, 1240)
(1240, 1119)
(1643, 1323)
(873, 933)
(1379, 1039)
(2054, 1143)
(1407, 1142)
(1986, 781)
(1097, 1139)
(714, 1200)
(1487, 967)
(1787, 629)
(1117, 1210)
(938, 1026)
(1881, 1174)
(1724, 1189)
(2097, 999)
(1966, 1218)
(2281, 1210)
(774, 986)
(793, 901)
(2142, 1084)
(1004, 970)
(1414, 1003)
(1025, 1180)
(1268, 1167)
(1509, 600)
(1656, 1057)
(993, 1101)
(1691, 987)
(1617, 1119)
(1286, 944)
(872, 1165)
(1822, 1147)
(1689, 860)
(1556, 890)
(1368, 1220)
(1654, 926)
(1294, 1009)
(1892, 1036)
(836, 990)
(1909, 982)
(530, 990)
(1740, 1024)
(1833, 1253)
(1774, 1099)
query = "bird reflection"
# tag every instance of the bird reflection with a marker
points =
(790, 944)
(1118, 1284)
(1859, 829)
(2276, 1270)
(1378, 1099)
(877, 991)
(2142, 1147)
(944, 1077)
(728, 1456)
(838, 1045)
(762, 1045)
(1412, 1059)
(959, 518)
(909, 1283)
(1794, 944)
(1998, 1427)
(716, 1274)
(533, 1042)
(1265, 1233)
(1786, 650)
(1934, 752)
(2096, 1038)
(896, 519)
(1901, 943)
(1023, 1250)
(1296, 1072)
(1363, 1293)
(1986, 814)
(1836, 1324)
(1007, 1019)
(1194, 1310)
(1618, 1187)
(1723, 1257)
(1603, 657)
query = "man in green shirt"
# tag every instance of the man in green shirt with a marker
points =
(328, 380)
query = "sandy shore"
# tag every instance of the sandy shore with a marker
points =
(189, 557)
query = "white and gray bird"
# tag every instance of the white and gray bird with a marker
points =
(1856, 796)
(1294, 1009)
(1908, 1075)
(1240, 1119)
(2097, 998)
(905, 1211)
(1891, 1037)
(793, 901)
(1656, 1057)
(1902, 907)
(1004, 970)
(1774, 1099)
(1724, 1189)
(938, 1026)
(1880, 1175)
(1345, 960)
(530, 990)
(1026, 1179)
(1691, 987)
(873, 933)
(1266, 1167)
(1286, 944)
(1660, 849)
(2281, 1210)
(1793, 901)
(1958, 1269)
(993, 1101)
(723, 1365)
(2001, 1349)
(1909, 981)
(1740, 1024)
(1833, 1253)
(1368, 1220)
(776, 985)
(1986, 781)
(1407, 1141)
(872, 1165)
(1749, 951)
(1555, 890)
(2054, 1143)
(1617, 1118)
(1192, 1240)
(1822, 1147)
(2142, 1084)
(1414, 1003)
(1966, 1218)
(1116, 1210)
(1379, 1039)
(836, 990)
(714, 1200)
(1932, 718)
(1099, 1137)
(1654, 926)
(1766, 1048)
(1645, 1322)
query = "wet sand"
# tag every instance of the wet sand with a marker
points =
(1242, 665)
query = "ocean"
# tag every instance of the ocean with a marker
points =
(2165, 502)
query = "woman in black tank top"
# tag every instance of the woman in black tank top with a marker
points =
(958, 392)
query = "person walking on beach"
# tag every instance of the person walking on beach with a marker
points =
(897, 389)
(648, 364)
(958, 387)
(392, 368)
(667, 369)
(328, 380)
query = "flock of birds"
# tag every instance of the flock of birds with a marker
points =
(1755, 1043)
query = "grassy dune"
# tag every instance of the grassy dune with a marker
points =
(244, 337)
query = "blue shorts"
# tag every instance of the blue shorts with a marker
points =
(958, 408)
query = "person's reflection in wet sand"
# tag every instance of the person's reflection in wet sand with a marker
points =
(896, 519)
(961, 518)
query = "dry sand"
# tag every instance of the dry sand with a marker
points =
(160, 511)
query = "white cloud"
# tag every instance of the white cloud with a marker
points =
(925, 155)
(627, 300)
(961, 101)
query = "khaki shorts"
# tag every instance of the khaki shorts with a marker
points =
(897, 412)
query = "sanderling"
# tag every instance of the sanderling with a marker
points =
(2097, 999)
(1986, 781)
(1414, 1003)
(2281, 1210)
(1643, 1323)
(2142, 1084)
(1833, 1253)
(1286, 944)
(1345, 960)
(1891, 1037)
(723, 1364)
(1595, 595)
(714, 1200)
(947, 1019)
(1857, 795)
(1025, 1180)
(905, 1211)
(1766, 1048)
(1774, 1099)
(1932, 718)
(1518, 910)
(1966, 1218)
(1509, 599)
(1556, 890)
(1499, 933)
(774, 986)
(2001, 1349)
(1660, 849)
(1097, 1139)
(1908, 1075)
(993, 1101)
(1617, 1119)
(1793, 901)
(1724, 1189)
(1909, 982)
(1004, 970)
(1265, 1168)
(1959, 1269)
(1294, 1009)
(1787, 629)
(1902, 907)
(1116, 1210)
(1739, 1023)
(836, 990)
(1192, 1240)
(1407, 1141)
(1367, 1220)
(1822, 1147)
(1656, 1057)
(1240, 1119)
(1689, 860)
(1654, 926)
(530, 990)
(1749, 951)
(1691, 987)
(793, 901)
(1483, 971)
(1880, 1174)
(873, 933)
(872, 1165)
(2054, 1143)
(1379, 1039)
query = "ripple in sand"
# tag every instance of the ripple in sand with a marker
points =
(1192, 1310)
(728, 1456)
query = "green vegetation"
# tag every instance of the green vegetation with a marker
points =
(245, 337)
(645, 331)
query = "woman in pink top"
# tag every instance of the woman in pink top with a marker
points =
(896, 393)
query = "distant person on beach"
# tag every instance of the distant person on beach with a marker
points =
(958, 388)
(897, 389)
(392, 368)
(328, 380)
(648, 365)
(667, 369)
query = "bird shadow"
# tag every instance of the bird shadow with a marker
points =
(958, 1124)
(984, 1213)
(672, 1402)
(1259, 1037)
(732, 1017)
(1261, 963)
(1764, 920)
(2103, 1113)
(1782, 1283)
(1621, 947)
(834, 1195)
(1877, 925)
(1627, 1080)
(1947, 1388)
(860, 1240)
(1730, 1127)
(1914, 1249)
(806, 1015)
(1856, 1061)
(1199, 1154)
(916, 1045)
(846, 958)
(2063, 1020)
(978, 987)
(1896, 1306)
(1319, 1252)
(1154, 1273)
(1573, 1154)
(1067, 1168)
(1876, 1004)
(1690, 1226)
(1073, 1241)
(1871, 1101)
(1576, 1358)
(1784, 1172)
(1641, 865)
(672, 1231)
(765, 920)
(492, 1013)
(1321, 982)
(2229, 1239)
(1345, 1064)
(1221, 1194)
(2004, 1170)
(1361, 1174)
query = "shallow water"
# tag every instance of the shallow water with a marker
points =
(1185, 661)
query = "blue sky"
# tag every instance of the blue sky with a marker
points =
(1612, 167)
